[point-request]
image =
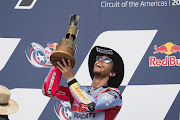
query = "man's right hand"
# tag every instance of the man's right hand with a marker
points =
(66, 70)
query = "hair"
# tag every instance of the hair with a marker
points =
(113, 67)
(5, 117)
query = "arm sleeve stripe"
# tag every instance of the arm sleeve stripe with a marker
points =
(72, 82)
(81, 96)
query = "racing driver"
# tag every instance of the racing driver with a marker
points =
(100, 101)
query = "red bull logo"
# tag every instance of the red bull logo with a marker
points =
(50, 48)
(53, 46)
(167, 49)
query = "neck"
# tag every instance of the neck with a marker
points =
(99, 81)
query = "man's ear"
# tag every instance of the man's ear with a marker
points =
(112, 74)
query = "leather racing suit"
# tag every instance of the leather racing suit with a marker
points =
(101, 103)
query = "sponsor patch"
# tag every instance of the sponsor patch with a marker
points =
(108, 99)
(60, 92)
(84, 115)
(82, 96)
(51, 84)
(111, 93)
(110, 52)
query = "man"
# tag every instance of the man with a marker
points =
(100, 101)
(7, 105)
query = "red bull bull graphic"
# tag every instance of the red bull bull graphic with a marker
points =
(39, 56)
(161, 49)
(168, 49)
(175, 48)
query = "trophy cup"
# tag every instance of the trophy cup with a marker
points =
(67, 46)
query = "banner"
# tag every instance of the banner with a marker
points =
(144, 32)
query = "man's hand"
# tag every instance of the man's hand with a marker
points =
(66, 69)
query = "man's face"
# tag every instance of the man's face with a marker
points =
(102, 68)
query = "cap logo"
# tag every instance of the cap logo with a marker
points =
(110, 52)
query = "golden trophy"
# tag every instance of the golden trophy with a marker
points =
(67, 46)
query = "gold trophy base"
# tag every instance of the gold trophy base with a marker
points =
(62, 52)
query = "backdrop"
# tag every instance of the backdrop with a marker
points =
(144, 32)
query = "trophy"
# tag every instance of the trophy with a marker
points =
(67, 46)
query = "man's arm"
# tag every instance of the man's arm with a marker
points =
(107, 99)
(51, 86)
(85, 100)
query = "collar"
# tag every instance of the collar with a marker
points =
(94, 88)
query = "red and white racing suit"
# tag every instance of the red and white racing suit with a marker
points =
(102, 103)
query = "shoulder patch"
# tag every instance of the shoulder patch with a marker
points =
(116, 90)
(111, 93)
(108, 99)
